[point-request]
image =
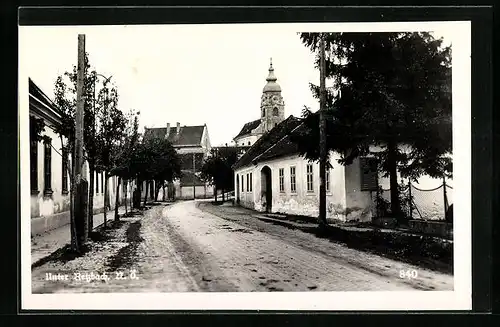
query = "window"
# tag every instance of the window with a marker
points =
(242, 184)
(64, 170)
(275, 111)
(102, 182)
(248, 142)
(247, 182)
(310, 185)
(282, 179)
(250, 182)
(293, 186)
(327, 178)
(47, 166)
(369, 174)
(34, 164)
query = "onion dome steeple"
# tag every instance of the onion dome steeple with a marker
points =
(271, 85)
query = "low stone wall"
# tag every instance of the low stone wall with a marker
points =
(439, 228)
(40, 225)
(385, 222)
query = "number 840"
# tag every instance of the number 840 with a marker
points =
(409, 273)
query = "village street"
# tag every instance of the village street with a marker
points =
(196, 246)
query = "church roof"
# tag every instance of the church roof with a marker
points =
(271, 85)
(273, 144)
(248, 127)
(188, 135)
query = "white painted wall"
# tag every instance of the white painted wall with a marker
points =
(301, 202)
(243, 140)
(44, 206)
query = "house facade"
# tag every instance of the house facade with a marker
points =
(49, 177)
(273, 177)
(192, 143)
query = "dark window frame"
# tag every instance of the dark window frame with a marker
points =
(34, 165)
(64, 170)
(47, 167)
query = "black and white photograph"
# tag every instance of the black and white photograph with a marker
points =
(290, 166)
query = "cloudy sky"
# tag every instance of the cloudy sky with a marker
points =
(192, 74)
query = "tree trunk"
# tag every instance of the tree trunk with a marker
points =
(223, 196)
(146, 193)
(157, 190)
(117, 199)
(125, 190)
(105, 196)
(91, 196)
(163, 195)
(215, 193)
(393, 180)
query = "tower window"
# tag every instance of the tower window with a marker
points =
(275, 111)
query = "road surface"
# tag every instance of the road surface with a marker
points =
(196, 246)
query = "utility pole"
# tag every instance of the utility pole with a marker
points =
(322, 134)
(81, 192)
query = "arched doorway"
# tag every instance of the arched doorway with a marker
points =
(266, 188)
(237, 188)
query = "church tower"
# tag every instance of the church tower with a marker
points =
(272, 105)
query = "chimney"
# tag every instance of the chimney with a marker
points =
(168, 130)
(178, 127)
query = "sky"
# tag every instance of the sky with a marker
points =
(191, 74)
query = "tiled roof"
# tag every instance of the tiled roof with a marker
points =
(188, 135)
(272, 144)
(283, 147)
(248, 127)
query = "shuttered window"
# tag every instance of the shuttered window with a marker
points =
(250, 182)
(34, 164)
(64, 170)
(47, 166)
(369, 174)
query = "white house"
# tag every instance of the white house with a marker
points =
(271, 176)
(49, 178)
(193, 146)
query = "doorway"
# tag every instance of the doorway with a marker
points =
(266, 188)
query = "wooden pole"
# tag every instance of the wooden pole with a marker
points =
(79, 203)
(322, 136)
